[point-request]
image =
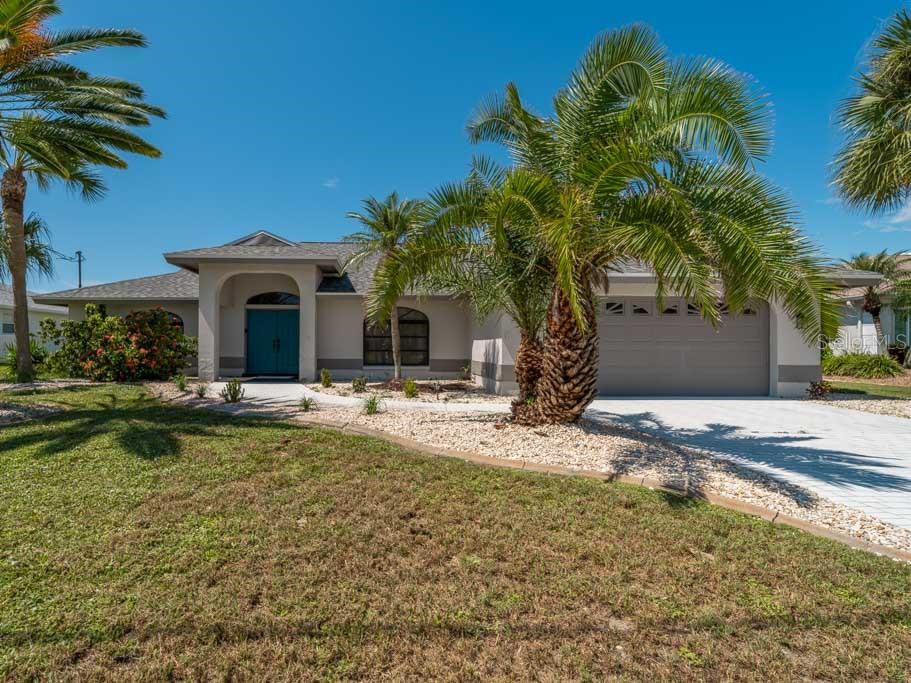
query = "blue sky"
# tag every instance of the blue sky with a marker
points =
(284, 115)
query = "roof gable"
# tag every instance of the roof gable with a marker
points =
(261, 238)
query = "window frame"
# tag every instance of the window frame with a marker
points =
(278, 299)
(371, 333)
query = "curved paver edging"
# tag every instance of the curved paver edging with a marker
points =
(770, 516)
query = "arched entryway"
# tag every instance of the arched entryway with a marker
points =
(273, 334)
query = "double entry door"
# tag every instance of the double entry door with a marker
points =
(273, 340)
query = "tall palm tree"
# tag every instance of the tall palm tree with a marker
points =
(39, 256)
(387, 226)
(895, 277)
(472, 246)
(873, 168)
(57, 123)
(649, 159)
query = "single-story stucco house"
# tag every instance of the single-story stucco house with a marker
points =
(265, 305)
(36, 313)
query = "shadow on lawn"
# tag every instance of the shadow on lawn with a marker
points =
(141, 425)
(749, 455)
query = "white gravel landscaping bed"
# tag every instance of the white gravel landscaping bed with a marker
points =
(451, 391)
(897, 407)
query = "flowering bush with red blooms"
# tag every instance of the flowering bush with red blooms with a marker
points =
(144, 345)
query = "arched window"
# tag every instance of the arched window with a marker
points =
(175, 319)
(274, 299)
(414, 333)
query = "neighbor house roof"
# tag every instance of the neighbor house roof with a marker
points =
(6, 301)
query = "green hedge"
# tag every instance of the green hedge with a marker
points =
(863, 365)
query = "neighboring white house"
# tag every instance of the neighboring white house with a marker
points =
(857, 332)
(36, 312)
(265, 305)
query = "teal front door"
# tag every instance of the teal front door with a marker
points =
(272, 341)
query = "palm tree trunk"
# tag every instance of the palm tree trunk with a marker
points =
(396, 345)
(569, 372)
(882, 347)
(529, 359)
(12, 193)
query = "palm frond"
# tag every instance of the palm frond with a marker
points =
(39, 255)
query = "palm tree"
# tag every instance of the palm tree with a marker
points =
(895, 277)
(57, 122)
(873, 168)
(387, 226)
(472, 247)
(648, 159)
(39, 256)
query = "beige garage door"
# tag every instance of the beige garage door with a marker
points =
(672, 351)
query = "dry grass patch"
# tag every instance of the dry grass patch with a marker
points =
(139, 540)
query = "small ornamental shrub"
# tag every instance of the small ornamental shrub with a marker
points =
(867, 366)
(325, 378)
(233, 391)
(180, 381)
(410, 388)
(359, 385)
(36, 349)
(819, 390)
(201, 390)
(372, 405)
(307, 404)
(143, 345)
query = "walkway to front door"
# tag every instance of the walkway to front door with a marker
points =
(273, 340)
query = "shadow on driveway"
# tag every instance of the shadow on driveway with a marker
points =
(777, 455)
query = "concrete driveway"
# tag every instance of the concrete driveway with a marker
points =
(852, 457)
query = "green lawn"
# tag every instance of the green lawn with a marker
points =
(883, 390)
(144, 541)
(8, 375)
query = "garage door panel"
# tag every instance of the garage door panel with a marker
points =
(619, 357)
(680, 354)
(725, 357)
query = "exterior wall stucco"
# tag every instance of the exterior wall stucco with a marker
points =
(213, 278)
(340, 341)
(495, 342)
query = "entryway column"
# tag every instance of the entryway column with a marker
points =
(306, 278)
(209, 288)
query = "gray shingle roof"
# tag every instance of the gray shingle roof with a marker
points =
(6, 299)
(329, 252)
(184, 284)
(180, 285)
